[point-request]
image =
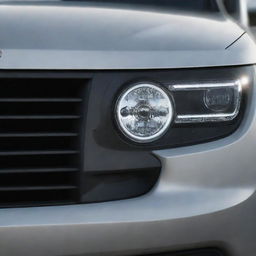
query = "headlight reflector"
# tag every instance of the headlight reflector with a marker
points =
(144, 112)
(218, 99)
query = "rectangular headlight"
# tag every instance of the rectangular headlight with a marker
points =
(207, 102)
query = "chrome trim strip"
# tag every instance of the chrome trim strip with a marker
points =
(189, 87)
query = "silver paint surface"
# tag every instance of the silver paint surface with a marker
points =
(64, 35)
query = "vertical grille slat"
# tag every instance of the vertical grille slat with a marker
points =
(40, 141)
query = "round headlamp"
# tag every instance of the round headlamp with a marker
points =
(144, 112)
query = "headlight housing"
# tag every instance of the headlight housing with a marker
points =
(144, 111)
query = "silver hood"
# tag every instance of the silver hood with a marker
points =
(65, 36)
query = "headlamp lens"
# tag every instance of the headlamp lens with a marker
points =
(144, 112)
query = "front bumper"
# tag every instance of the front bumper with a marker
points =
(205, 197)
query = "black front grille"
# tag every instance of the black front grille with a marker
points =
(40, 141)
